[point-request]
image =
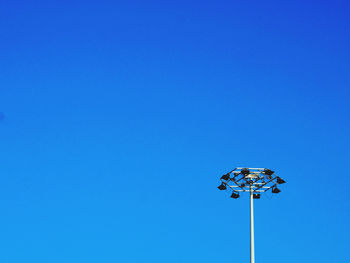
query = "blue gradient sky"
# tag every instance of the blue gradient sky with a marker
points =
(118, 118)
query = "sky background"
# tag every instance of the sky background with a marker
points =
(118, 118)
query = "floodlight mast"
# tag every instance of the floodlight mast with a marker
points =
(255, 181)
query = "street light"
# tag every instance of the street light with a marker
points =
(255, 181)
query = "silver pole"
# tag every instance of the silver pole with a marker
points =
(252, 252)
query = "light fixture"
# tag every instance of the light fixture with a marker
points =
(226, 176)
(245, 171)
(275, 190)
(256, 196)
(235, 195)
(268, 171)
(222, 186)
(280, 180)
(235, 174)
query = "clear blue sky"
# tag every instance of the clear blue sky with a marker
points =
(118, 118)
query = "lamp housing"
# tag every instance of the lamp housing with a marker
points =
(222, 187)
(275, 190)
(235, 195)
(245, 171)
(256, 196)
(280, 180)
(225, 176)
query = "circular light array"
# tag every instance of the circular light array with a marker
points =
(255, 180)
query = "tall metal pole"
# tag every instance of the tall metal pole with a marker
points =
(256, 181)
(252, 252)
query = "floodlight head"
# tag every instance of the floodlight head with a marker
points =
(280, 180)
(226, 176)
(275, 190)
(245, 171)
(222, 186)
(235, 195)
(256, 196)
(268, 171)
